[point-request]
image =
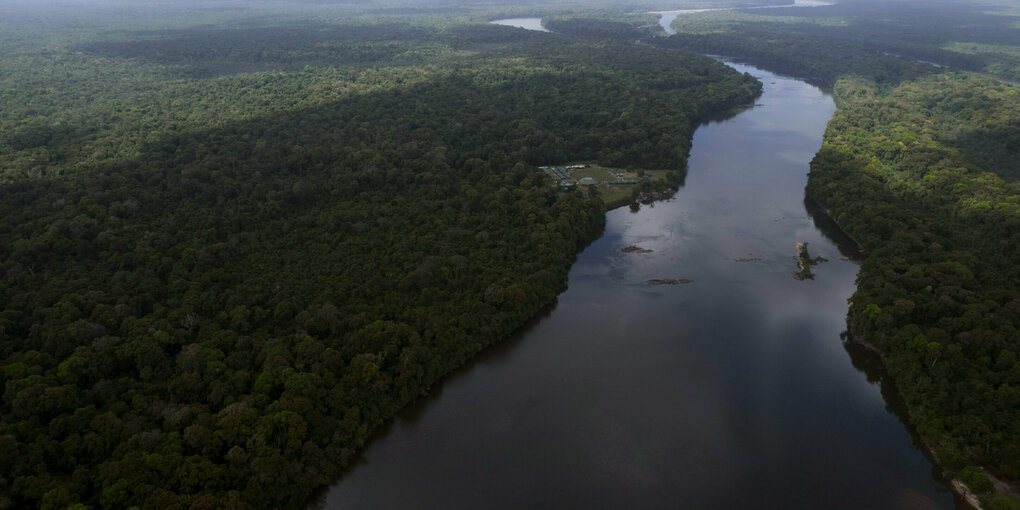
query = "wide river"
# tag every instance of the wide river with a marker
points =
(734, 391)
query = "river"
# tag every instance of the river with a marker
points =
(527, 23)
(734, 391)
(666, 17)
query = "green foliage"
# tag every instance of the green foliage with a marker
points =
(215, 283)
(976, 479)
(1001, 502)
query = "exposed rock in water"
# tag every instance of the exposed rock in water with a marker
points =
(635, 249)
(668, 281)
(804, 263)
(965, 492)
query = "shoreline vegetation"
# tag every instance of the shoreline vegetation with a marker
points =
(618, 187)
(230, 251)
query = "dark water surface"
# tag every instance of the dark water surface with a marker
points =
(731, 392)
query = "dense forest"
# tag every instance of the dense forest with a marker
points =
(920, 165)
(605, 25)
(231, 248)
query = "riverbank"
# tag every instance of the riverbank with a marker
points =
(965, 496)
(958, 487)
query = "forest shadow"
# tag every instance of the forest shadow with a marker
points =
(993, 148)
(244, 181)
(832, 231)
(929, 21)
(207, 51)
(914, 29)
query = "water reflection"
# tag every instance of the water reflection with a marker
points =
(848, 247)
(870, 363)
(722, 116)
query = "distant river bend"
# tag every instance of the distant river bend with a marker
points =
(733, 391)
(666, 17)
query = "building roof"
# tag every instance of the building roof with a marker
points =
(588, 181)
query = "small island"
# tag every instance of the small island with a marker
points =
(805, 262)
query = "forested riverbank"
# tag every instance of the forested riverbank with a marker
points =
(229, 252)
(937, 294)
(919, 164)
